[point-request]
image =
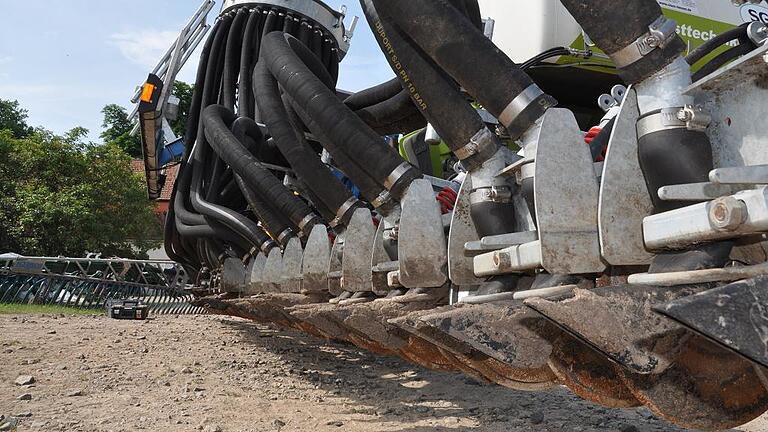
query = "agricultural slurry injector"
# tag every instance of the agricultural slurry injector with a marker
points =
(458, 215)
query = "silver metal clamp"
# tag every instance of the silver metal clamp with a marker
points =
(688, 117)
(396, 175)
(343, 210)
(519, 104)
(660, 33)
(484, 141)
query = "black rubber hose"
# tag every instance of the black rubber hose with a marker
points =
(238, 223)
(463, 51)
(183, 213)
(369, 187)
(474, 15)
(216, 118)
(374, 95)
(316, 44)
(393, 116)
(716, 42)
(305, 34)
(232, 58)
(342, 126)
(304, 161)
(197, 96)
(436, 95)
(613, 28)
(212, 231)
(251, 37)
(689, 161)
(721, 59)
(249, 133)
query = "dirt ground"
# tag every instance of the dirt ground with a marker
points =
(209, 373)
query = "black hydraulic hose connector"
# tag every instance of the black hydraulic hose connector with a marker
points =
(341, 125)
(636, 35)
(480, 67)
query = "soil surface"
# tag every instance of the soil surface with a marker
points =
(212, 374)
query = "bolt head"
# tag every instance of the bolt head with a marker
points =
(727, 213)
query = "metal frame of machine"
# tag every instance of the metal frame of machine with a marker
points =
(522, 255)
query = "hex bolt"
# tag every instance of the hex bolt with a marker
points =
(727, 213)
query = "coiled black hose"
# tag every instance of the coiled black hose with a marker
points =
(249, 134)
(216, 118)
(238, 223)
(341, 125)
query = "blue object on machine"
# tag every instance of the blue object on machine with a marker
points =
(347, 182)
(171, 152)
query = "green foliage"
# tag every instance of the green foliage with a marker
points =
(60, 196)
(117, 130)
(14, 118)
(30, 309)
(184, 92)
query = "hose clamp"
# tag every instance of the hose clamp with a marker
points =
(483, 142)
(249, 256)
(519, 104)
(350, 204)
(666, 119)
(304, 222)
(383, 198)
(267, 246)
(688, 117)
(284, 235)
(660, 33)
(396, 175)
(497, 194)
(694, 117)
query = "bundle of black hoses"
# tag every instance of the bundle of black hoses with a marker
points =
(227, 202)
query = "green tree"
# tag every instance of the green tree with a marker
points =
(184, 92)
(14, 118)
(60, 196)
(117, 130)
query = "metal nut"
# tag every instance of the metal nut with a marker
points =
(727, 213)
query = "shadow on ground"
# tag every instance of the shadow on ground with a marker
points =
(390, 390)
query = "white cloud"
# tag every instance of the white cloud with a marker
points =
(5, 60)
(144, 47)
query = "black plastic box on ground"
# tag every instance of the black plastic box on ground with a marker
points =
(126, 309)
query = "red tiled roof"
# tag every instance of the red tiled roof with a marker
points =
(170, 179)
(137, 166)
(171, 173)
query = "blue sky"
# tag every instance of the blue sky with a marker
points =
(63, 60)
